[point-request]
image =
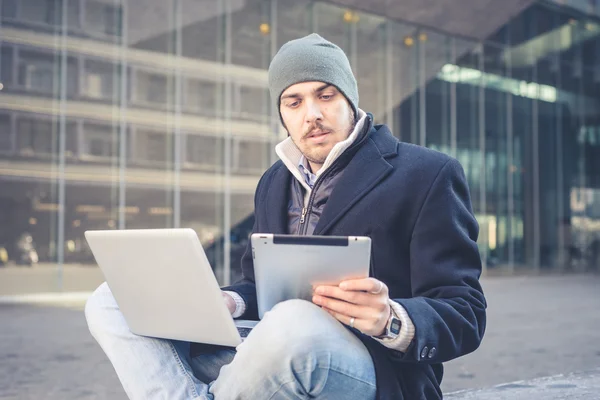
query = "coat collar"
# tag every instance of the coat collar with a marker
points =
(367, 168)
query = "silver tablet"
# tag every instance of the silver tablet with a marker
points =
(286, 266)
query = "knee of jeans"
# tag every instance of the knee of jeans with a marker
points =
(291, 310)
(96, 305)
(293, 329)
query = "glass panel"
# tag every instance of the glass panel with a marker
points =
(153, 89)
(337, 25)
(252, 103)
(249, 51)
(8, 9)
(252, 156)
(159, 132)
(201, 97)
(37, 71)
(202, 36)
(103, 18)
(100, 80)
(294, 20)
(100, 142)
(438, 92)
(498, 161)
(371, 64)
(6, 134)
(403, 85)
(73, 13)
(202, 152)
(6, 66)
(41, 11)
(468, 135)
(410, 73)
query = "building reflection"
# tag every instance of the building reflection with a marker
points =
(115, 114)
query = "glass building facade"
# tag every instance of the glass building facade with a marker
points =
(129, 114)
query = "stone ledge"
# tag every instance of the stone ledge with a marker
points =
(573, 386)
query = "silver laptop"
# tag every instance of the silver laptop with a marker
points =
(164, 285)
(287, 266)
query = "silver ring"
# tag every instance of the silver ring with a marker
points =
(352, 322)
(380, 288)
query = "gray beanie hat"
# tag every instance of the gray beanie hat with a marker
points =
(312, 58)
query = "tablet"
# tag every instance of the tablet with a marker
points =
(287, 266)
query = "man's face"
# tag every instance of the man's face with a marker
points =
(317, 116)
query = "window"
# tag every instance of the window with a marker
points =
(36, 136)
(156, 147)
(73, 11)
(99, 80)
(6, 64)
(201, 96)
(152, 146)
(157, 89)
(5, 134)
(72, 77)
(41, 11)
(204, 151)
(103, 18)
(153, 88)
(100, 140)
(253, 156)
(8, 9)
(41, 137)
(36, 72)
(253, 102)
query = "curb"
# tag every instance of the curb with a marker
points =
(46, 298)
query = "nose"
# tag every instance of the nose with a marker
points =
(313, 112)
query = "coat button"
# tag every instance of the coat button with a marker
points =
(432, 352)
(424, 352)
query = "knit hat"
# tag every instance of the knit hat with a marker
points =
(312, 58)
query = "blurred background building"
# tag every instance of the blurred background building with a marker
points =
(154, 114)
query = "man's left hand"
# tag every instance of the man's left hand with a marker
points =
(365, 300)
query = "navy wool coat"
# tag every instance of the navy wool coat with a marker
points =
(414, 203)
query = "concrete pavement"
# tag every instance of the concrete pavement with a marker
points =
(537, 327)
(583, 385)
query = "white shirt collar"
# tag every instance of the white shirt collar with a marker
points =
(291, 156)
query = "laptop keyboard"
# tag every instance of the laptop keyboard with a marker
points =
(244, 332)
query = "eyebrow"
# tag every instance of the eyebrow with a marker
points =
(297, 95)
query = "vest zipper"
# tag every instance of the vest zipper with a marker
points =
(303, 215)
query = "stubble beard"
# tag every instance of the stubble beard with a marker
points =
(313, 155)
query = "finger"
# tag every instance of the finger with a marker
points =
(350, 296)
(344, 319)
(365, 326)
(367, 284)
(345, 308)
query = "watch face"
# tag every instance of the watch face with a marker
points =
(395, 326)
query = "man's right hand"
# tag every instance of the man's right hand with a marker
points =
(229, 302)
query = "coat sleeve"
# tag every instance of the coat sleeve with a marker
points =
(246, 286)
(448, 305)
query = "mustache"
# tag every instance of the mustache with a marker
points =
(317, 126)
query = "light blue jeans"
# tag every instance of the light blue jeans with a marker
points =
(297, 351)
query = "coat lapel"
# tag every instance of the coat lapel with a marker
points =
(277, 201)
(366, 169)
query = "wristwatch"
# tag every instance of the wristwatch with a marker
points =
(392, 329)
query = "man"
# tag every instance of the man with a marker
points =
(338, 175)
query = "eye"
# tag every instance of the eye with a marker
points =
(294, 104)
(326, 96)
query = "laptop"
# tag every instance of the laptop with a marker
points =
(165, 286)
